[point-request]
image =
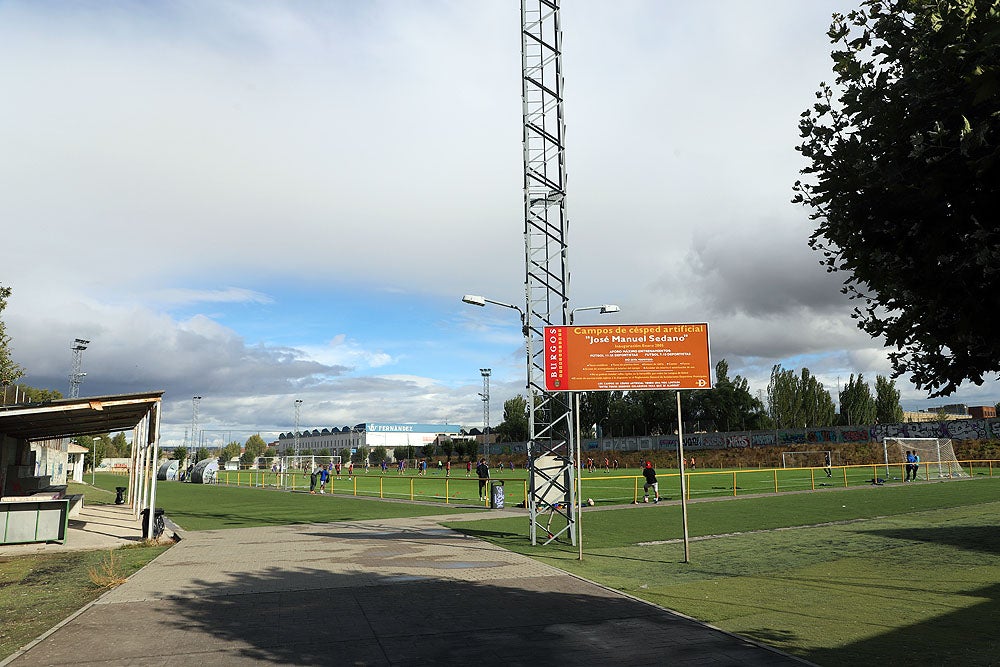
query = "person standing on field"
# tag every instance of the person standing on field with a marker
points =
(649, 473)
(468, 468)
(827, 465)
(483, 473)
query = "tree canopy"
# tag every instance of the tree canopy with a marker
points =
(9, 371)
(903, 179)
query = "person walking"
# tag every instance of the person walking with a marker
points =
(827, 465)
(483, 473)
(649, 473)
(468, 468)
(447, 468)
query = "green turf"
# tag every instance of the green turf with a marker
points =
(910, 575)
(39, 590)
(205, 507)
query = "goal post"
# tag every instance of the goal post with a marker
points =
(294, 470)
(937, 456)
(807, 459)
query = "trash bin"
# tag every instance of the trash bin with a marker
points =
(157, 522)
(120, 498)
(496, 494)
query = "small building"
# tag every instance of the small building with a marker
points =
(982, 411)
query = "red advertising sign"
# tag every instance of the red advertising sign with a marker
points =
(627, 357)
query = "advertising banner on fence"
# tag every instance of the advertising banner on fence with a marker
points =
(627, 357)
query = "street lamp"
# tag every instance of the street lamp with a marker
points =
(476, 300)
(605, 309)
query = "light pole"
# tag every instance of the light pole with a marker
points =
(485, 372)
(76, 375)
(93, 460)
(605, 309)
(477, 300)
(195, 401)
(295, 434)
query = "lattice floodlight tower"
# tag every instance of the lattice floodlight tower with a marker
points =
(546, 279)
(76, 375)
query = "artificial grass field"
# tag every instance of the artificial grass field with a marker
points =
(895, 574)
(209, 506)
(903, 575)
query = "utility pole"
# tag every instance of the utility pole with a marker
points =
(485, 372)
(76, 375)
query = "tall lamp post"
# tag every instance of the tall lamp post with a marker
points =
(605, 309)
(485, 372)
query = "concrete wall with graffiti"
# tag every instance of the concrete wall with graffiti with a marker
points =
(961, 429)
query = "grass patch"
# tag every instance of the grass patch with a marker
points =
(910, 575)
(39, 590)
(206, 507)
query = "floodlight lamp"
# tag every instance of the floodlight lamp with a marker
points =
(474, 300)
(609, 308)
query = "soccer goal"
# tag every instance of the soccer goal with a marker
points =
(294, 471)
(811, 459)
(937, 456)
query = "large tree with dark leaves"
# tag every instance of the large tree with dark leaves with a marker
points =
(904, 172)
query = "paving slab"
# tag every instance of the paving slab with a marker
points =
(385, 592)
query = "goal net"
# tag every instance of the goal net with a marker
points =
(294, 471)
(810, 459)
(937, 457)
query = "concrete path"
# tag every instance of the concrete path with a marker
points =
(386, 592)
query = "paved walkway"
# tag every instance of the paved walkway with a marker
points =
(386, 592)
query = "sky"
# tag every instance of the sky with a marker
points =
(260, 203)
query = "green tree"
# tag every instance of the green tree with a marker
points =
(447, 447)
(857, 405)
(887, 408)
(10, 372)
(818, 408)
(904, 181)
(514, 427)
(784, 398)
(180, 453)
(380, 454)
(230, 451)
(121, 445)
(361, 455)
(731, 403)
(270, 452)
(201, 454)
(427, 450)
(253, 448)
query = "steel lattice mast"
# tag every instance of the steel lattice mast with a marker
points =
(485, 395)
(76, 374)
(546, 282)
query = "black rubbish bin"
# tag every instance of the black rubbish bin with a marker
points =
(496, 494)
(120, 498)
(157, 522)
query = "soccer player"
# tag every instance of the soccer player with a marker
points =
(826, 465)
(324, 477)
(468, 468)
(649, 473)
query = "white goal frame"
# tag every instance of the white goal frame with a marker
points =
(296, 469)
(829, 452)
(934, 452)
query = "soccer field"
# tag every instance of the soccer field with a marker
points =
(859, 576)
(614, 487)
